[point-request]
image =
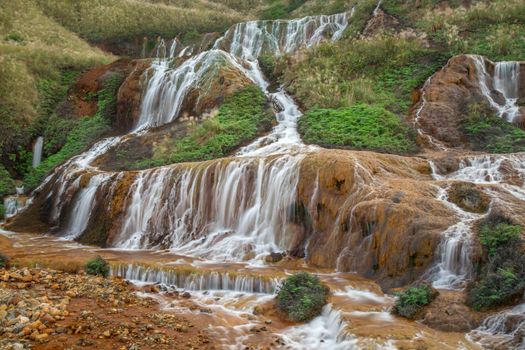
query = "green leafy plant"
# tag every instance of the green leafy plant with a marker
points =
(4, 261)
(412, 300)
(501, 279)
(97, 267)
(302, 296)
(360, 127)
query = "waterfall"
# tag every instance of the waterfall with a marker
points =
(455, 265)
(233, 210)
(504, 330)
(37, 151)
(81, 212)
(505, 80)
(249, 40)
(197, 281)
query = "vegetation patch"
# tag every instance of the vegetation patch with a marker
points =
(97, 267)
(4, 261)
(487, 132)
(84, 133)
(412, 300)
(241, 118)
(301, 297)
(501, 279)
(358, 127)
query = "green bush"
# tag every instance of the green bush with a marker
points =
(359, 127)
(2, 210)
(302, 296)
(7, 184)
(487, 132)
(276, 11)
(501, 279)
(97, 267)
(241, 117)
(492, 237)
(412, 300)
(4, 261)
(15, 36)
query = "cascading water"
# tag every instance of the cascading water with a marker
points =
(504, 330)
(223, 210)
(455, 266)
(37, 151)
(249, 40)
(202, 281)
(505, 80)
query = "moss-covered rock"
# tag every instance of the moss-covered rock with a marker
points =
(468, 197)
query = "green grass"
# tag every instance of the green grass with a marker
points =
(487, 132)
(501, 279)
(301, 297)
(382, 71)
(82, 133)
(493, 28)
(358, 127)
(241, 117)
(412, 300)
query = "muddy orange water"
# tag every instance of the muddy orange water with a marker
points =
(235, 301)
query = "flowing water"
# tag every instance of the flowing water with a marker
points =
(505, 80)
(37, 151)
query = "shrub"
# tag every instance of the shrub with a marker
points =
(487, 132)
(2, 210)
(302, 296)
(360, 127)
(97, 267)
(501, 279)
(411, 301)
(493, 237)
(4, 261)
(7, 184)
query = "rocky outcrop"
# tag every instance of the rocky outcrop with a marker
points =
(449, 93)
(373, 214)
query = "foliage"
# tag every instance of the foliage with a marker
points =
(487, 132)
(501, 280)
(492, 28)
(97, 267)
(124, 19)
(382, 71)
(47, 50)
(302, 296)
(7, 185)
(241, 117)
(360, 126)
(492, 237)
(82, 135)
(413, 299)
(2, 211)
(4, 261)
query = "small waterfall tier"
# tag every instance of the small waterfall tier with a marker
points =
(505, 80)
(37, 151)
(252, 39)
(197, 280)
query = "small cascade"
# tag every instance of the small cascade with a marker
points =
(223, 210)
(12, 205)
(327, 331)
(200, 280)
(504, 330)
(81, 212)
(249, 40)
(505, 80)
(487, 169)
(455, 266)
(37, 151)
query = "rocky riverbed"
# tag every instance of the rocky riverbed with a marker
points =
(49, 309)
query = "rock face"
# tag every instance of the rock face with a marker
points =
(357, 211)
(448, 94)
(369, 213)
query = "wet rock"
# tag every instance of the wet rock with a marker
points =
(274, 257)
(186, 295)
